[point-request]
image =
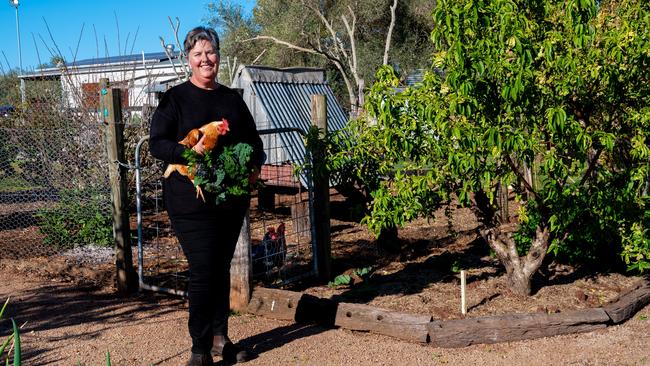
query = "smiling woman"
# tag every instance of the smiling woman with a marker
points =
(207, 228)
(202, 47)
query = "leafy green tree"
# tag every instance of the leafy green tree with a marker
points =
(233, 25)
(547, 97)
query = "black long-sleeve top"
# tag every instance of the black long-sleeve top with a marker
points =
(186, 107)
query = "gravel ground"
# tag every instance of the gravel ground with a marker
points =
(70, 325)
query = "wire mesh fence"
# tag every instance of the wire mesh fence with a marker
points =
(281, 213)
(54, 194)
(54, 184)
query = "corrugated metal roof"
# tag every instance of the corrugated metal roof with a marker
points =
(285, 98)
(157, 56)
(289, 105)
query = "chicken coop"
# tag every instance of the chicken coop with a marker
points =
(280, 102)
(280, 99)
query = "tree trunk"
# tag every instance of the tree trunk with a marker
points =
(519, 270)
(388, 240)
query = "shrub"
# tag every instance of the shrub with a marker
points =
(81, 217)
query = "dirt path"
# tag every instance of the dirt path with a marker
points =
(67, 325)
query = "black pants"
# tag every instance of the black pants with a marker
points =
(208, 241)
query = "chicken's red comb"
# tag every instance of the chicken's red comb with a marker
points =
(224, 127)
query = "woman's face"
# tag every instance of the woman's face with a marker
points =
(204, 62)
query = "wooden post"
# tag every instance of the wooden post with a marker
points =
(241, 269)
(111, 113)
(321, 192)
(463, 303)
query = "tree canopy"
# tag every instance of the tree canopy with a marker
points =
(302, 38)
(549, 98)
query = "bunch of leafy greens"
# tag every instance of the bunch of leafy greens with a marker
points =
(225, 175)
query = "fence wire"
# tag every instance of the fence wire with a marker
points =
(54, 184)
(54, 192)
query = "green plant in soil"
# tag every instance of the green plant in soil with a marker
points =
(344, 279)
(13, 339)
(81, 217)
(546, 100)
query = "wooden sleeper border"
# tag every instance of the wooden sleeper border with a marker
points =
(303, 308)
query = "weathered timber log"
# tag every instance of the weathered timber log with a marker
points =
(513, 327)
(277, 304)
(371, 319)
(629, 302)
(302, 308)
(289, 305)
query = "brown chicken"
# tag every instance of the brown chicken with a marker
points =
(210, 133)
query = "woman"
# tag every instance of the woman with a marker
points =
(207, 232)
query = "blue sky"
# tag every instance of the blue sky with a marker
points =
(66, 17)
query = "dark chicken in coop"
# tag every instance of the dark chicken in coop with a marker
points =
(272, 251)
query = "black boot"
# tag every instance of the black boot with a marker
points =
(198, 359)
(231, 353)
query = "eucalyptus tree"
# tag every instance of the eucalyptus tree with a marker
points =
(349, 38)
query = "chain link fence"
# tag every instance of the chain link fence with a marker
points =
(54, 192)
(54, 184)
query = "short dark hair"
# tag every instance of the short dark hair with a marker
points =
(201, 33)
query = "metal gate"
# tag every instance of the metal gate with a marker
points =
(281, 214)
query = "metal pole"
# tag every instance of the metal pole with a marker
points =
(138, 205)
(15, 4)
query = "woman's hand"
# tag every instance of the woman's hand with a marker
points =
(199, 148)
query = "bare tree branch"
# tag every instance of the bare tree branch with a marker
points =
(171, 59)
(390, 31)
(47, 26)
(38, 54)
(126, 42)
(344, 58)
(76, 92)
(284, 43)
(76, 51)
(353, 47)
(258, 57)
(96, 42)
(46, 46)
(182, 55)
(137, 30)
(7, 61)
(119, 43)
(339, 47)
